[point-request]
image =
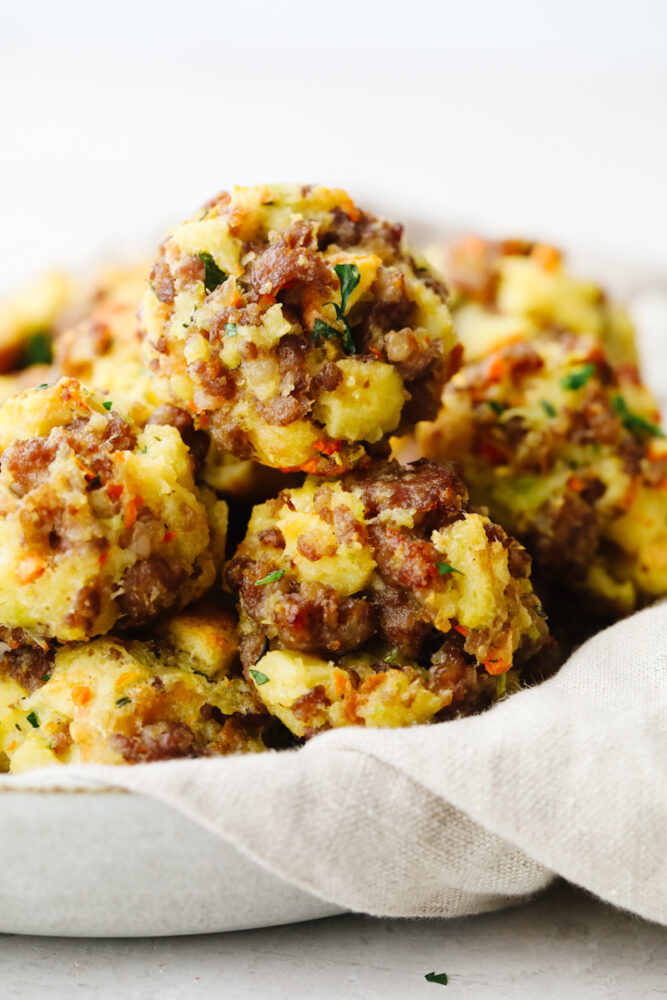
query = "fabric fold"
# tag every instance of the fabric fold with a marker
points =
(565, 779)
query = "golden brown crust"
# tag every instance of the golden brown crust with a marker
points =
(299, 329)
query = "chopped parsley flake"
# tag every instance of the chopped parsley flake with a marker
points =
(202, 674)
(231, 329)
(37, 351)
(44, 385)
(439, 977)
(46, 677)
(259, 678)
(445, 568)
(95, 483)
(496, 407)
(548, 407)
(578, 379)
(123, 701)
(632, 421)
(33, 720)
(391, 657)
(213, 275)
(349, 277)
(271, 577)
(107, 404)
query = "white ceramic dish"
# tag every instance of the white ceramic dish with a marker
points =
(90, 863)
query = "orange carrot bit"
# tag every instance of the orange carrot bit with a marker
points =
(126, 678)
(104, 557)
(546, 256)
(81, 694)
(130, 515)
(341, 682)
(497, 666)
(350, 208)
(169, 536)
(311, 466)
(114, 490)
(576, 484)
(631, 493)
(327, 447)
(463, 630)
(496, 370)
(376, 352)
(29, 569)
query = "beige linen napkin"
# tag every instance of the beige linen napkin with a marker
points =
(568, 778)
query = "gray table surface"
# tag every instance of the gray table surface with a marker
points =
(562, 944)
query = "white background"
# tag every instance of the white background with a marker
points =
(117, 119)
(550, 119)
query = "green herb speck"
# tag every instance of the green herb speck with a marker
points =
(47, 677)
(107, 404)
(33, 720)
(496, 407)
(259, 678)
(633, 421)
(271, 577)
(439, 977)
(44, 385)
(123, 701)
(37, 350)
(578, 379)
(548, 407)
(213, 275)
(231, 329)
(349, 277)
(445, 568)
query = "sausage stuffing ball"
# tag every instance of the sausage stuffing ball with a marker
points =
(301, 330)
(512, 290)
(99, 522)
(31, 317)
(103, 350)
(566, 451)
(381, 599)
(126, 701)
